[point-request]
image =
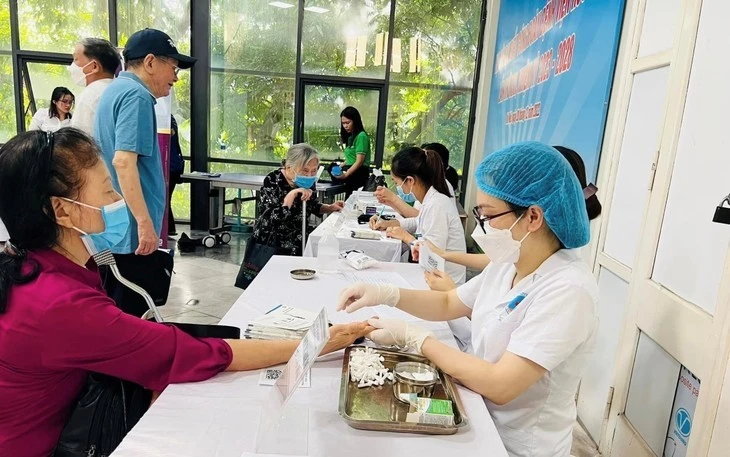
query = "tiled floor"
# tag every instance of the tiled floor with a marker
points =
(202, 292)
(202, 288)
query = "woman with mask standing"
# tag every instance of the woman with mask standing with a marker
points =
(94, 66)
(56, 322)
(357, 150)
(279, 211)
(533, 308)
(58, 114)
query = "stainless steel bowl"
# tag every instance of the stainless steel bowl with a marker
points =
(303, 274)
(406, 384)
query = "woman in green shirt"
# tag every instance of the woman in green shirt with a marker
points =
(357, 150)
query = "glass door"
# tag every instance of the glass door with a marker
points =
(320, 121)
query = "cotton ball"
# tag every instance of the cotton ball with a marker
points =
(367, 369)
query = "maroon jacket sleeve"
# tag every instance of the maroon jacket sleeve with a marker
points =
(84, 329)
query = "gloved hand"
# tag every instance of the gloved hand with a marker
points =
(394, 332)
(362, 294)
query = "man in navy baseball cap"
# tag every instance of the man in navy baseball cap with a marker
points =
(126, 130)
(157, 43)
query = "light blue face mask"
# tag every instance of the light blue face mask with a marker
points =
(116, 224)
(305, 182)
(406, 197)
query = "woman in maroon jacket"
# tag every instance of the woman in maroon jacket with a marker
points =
(57, 324)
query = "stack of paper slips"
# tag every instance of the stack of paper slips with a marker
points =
(280, 323)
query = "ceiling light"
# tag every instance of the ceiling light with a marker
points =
(316, 9)
(281, 4)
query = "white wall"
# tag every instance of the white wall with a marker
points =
(598, 374)
(641, 138)
(692, 249)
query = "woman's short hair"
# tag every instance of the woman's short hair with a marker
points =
(299, 155)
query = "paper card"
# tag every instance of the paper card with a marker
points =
(269, 376)
(429, 260)
(286, 317)
(304, 356)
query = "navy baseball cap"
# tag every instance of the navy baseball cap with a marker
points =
(156, 42)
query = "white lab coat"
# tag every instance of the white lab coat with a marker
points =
(438, 222)
(553, 326)
(85, 111)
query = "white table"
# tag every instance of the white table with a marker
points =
(219, 417)
(223, 181)
(384, 249)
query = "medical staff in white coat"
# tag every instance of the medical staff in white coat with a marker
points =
(439, 280)
(533, 308)
(419, 177)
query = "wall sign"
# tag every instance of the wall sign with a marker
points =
(553, 73)
(680, 426)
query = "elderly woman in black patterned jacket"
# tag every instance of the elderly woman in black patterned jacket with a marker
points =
(280, 201)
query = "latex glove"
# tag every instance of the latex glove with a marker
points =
(362, 294)
(439, 280)
(394, 332)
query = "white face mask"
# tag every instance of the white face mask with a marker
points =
(77, 73)
(498, 244)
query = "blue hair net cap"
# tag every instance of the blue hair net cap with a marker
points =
(532, 173)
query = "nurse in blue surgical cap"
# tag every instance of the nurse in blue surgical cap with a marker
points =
(533, 308)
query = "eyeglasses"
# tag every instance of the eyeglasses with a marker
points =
(175, 68)
(66, 101)
(482, 219)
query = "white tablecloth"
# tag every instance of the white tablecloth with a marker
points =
(219, 417)
(385, 249)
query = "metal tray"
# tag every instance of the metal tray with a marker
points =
(375, 408)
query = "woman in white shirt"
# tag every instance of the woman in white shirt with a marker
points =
(419, 176)
(57, 115)
(439, 280)
(533, 308)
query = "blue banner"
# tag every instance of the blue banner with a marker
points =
(552, 74)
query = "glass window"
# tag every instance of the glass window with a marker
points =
(7, 99)
(170, 16)
(56, 25)
(251, 117)
(44, 77)
(426, 115)
(5, 26)
(322, 107)
(345, 37)
(254, 35)
(173, 18)
(435, 42)
(180, 201)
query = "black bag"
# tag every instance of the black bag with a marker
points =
(373, 182)
(105, 412)
(254, 260)
(151, 272)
